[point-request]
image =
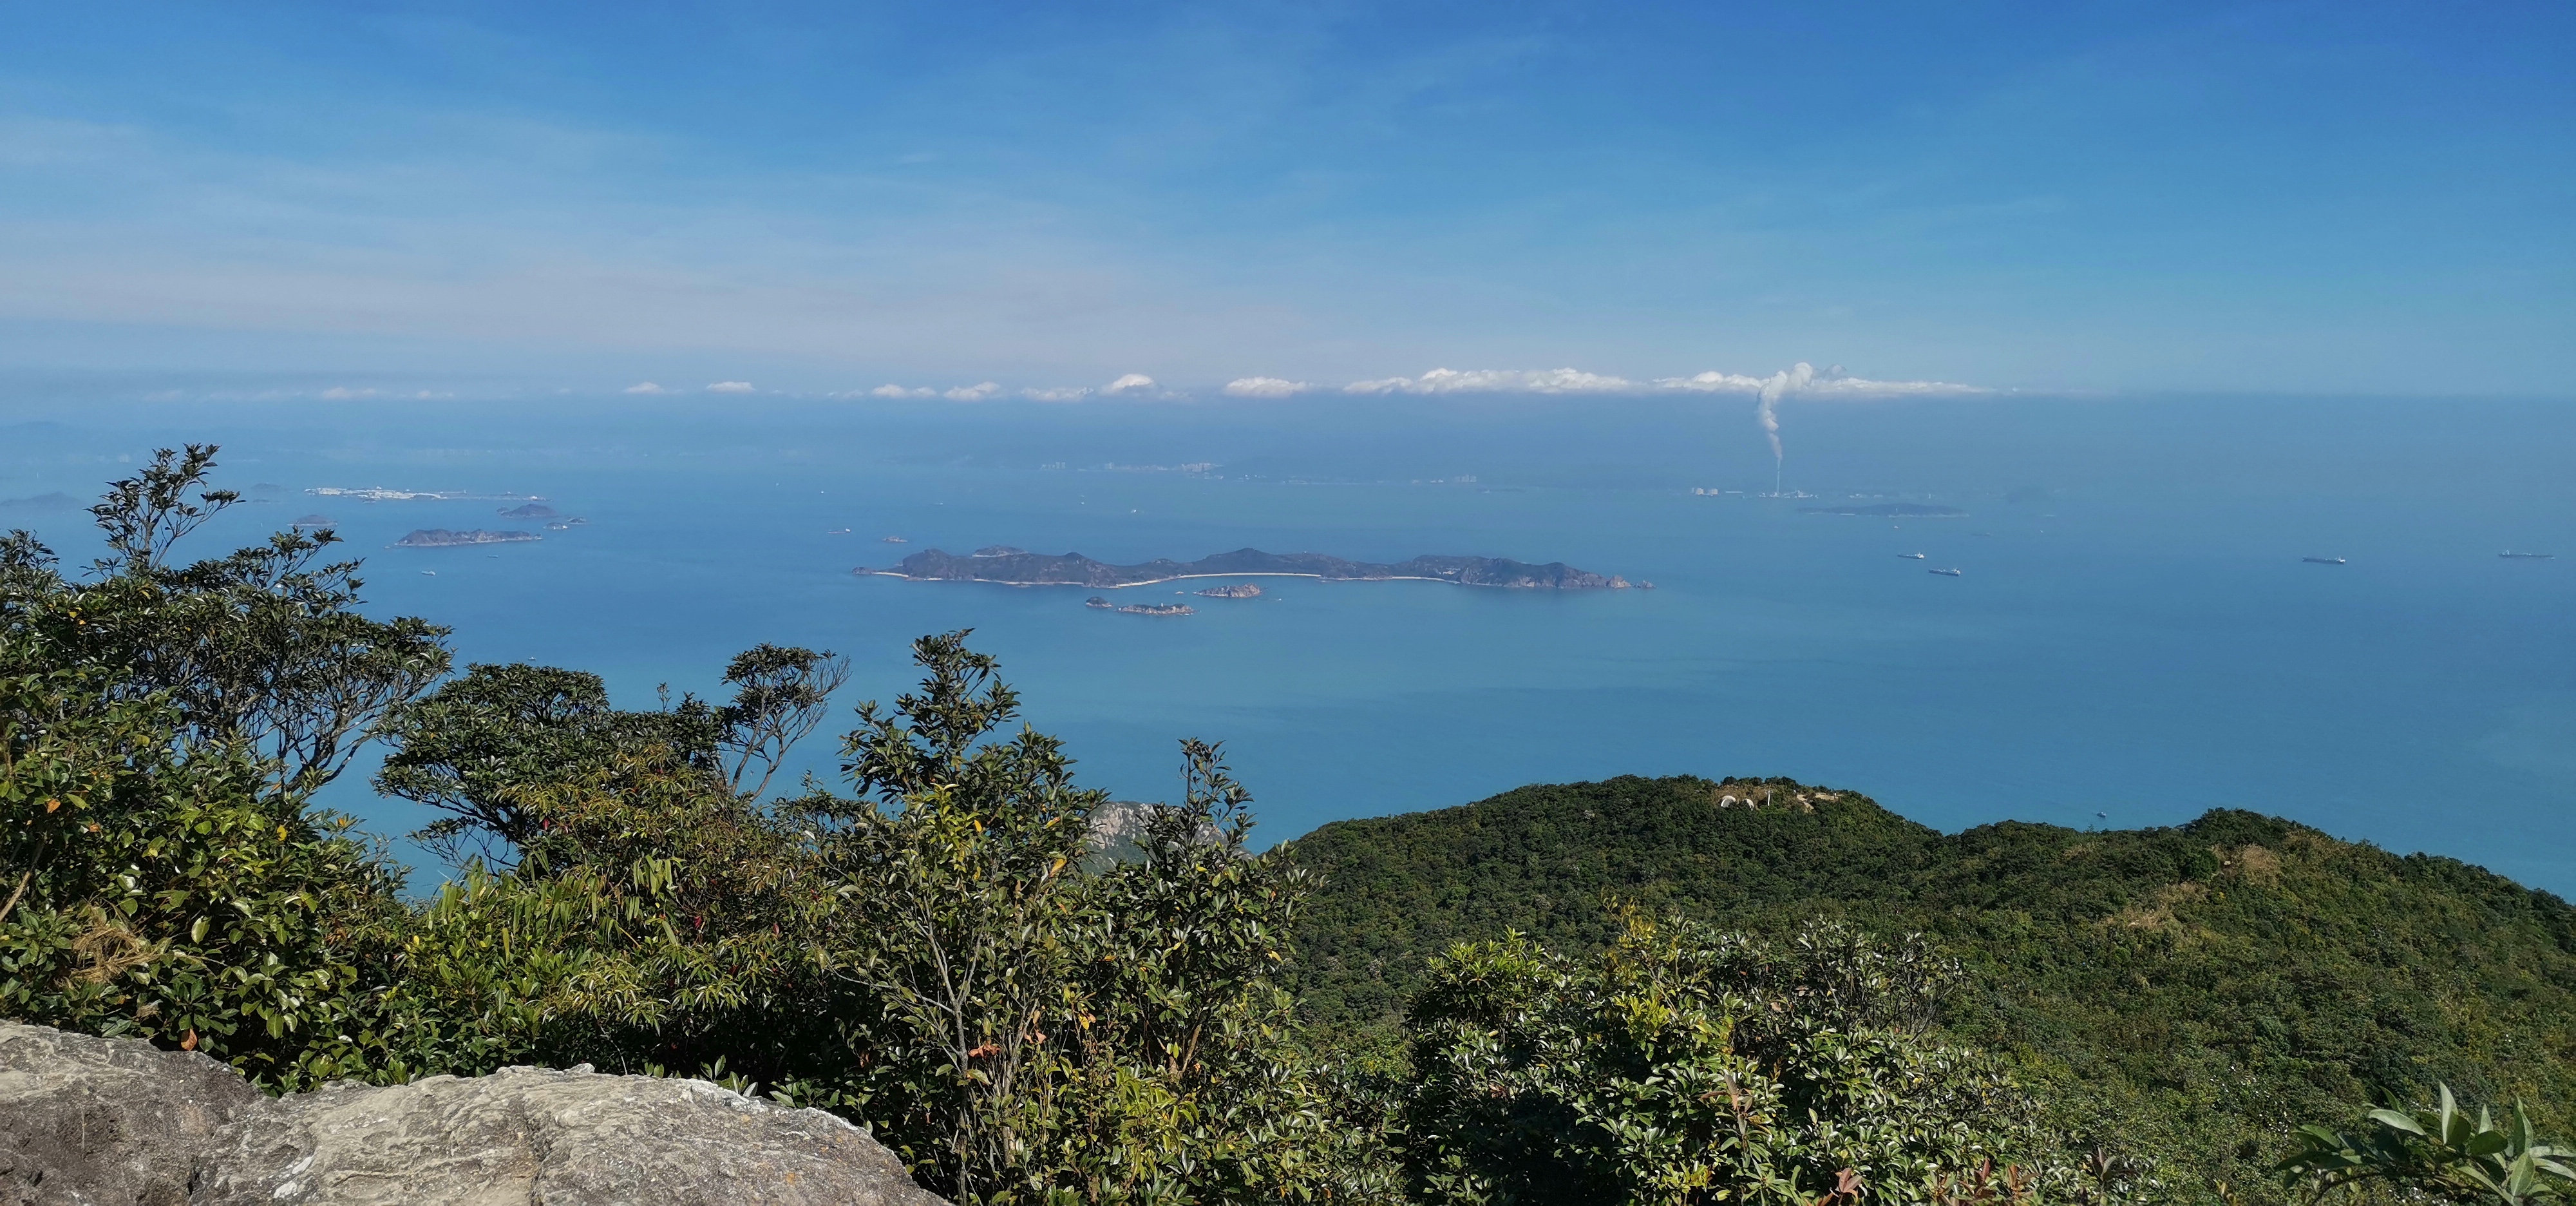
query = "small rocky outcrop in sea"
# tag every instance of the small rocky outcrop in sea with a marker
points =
(1240, 590)
(86, 1119)
(529, 511)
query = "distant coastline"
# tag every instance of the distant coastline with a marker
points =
(381, 494)
(441, 538)
(1890, 511)
(1005, 566)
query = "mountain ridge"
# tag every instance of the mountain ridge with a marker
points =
(2199, 988)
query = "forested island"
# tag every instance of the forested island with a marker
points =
(1017, 567)
(1685, 991)
(440, 538)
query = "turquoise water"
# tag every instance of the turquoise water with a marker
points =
(2134, 638)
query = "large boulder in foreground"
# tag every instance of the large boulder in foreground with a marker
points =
(87, 1119)
(92, 1120)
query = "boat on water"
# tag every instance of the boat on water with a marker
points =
(896, 540)
(1911, 556)
(2325, 560)
(2511, 555)
(1949, 573)
(429, 573)
(838, 532)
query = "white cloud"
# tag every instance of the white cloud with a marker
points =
(1131, 383)
(1499, 381)
(342, 393)
(1802, 381)
(1805, 381)
(729, 387)
(972, 393)
(891, 390)
(1264, 387)
(644, 387)
(1075, 393)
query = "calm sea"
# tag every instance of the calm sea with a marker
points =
(2133, 637)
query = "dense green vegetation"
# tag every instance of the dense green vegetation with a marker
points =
(1665, 991)
(2189, 994)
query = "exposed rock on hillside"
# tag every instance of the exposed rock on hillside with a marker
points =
(86, 1119)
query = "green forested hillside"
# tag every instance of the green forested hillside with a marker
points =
(2186, 992)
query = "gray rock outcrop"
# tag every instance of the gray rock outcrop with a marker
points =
(92, 1120)
(87, 1119)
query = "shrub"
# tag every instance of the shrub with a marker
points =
(1688, 1065)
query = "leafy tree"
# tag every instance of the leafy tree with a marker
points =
(780, 696)
(2439, 1153)
(259, 647)
(1688, 1065)
(472, 747)
(168, 890)
(1183, 1045)
(656, 921)
(475, 746)
(1035, 1031)
(968, 849)
(161, 729)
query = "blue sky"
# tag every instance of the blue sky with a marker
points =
(2295, 197)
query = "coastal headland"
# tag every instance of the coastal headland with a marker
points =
(1015, 567)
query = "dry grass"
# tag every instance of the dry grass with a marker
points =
(2156, 912)
(110, 949)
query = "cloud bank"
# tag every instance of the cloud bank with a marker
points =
(1802, 379)
(1264, 387)
(1498, 381)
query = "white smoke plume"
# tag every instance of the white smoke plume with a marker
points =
(1803, 380)
(1767, 411)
